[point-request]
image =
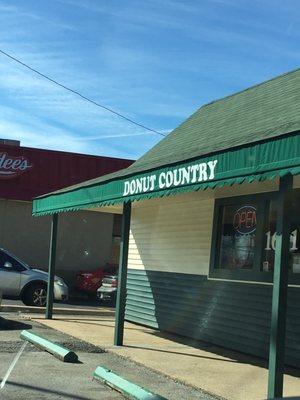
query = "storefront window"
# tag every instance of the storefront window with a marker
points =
(270, 237)
(295, 233)
(238, 236)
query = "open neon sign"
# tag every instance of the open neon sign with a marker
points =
(244, 220)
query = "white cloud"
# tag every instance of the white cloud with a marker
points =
(33, 136)
(39, 132)
(155, 62)
(11, 13)
(40, 97)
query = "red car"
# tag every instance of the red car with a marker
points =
(89, 281)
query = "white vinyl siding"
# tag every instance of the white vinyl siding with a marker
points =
(172, 235)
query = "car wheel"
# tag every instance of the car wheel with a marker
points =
(36, 295)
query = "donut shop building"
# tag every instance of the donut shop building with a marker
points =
(211, 226)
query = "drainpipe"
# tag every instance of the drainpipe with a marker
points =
(51, 267)
(280, 288)
(121, 294)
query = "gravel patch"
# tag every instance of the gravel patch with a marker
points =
(9, 346)
(80, 346)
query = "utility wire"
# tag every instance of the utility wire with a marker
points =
(81, 95)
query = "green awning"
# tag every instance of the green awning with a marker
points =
(258, 161)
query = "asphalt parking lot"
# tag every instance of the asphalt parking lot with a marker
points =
(38, 375)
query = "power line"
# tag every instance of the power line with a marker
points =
(80, 95)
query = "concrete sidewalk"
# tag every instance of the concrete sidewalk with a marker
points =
(224, 373)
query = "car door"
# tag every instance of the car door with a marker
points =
(10, 277)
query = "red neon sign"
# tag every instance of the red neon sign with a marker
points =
(244, 220)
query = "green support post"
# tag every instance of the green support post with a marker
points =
(51, 267)
(280, 287)
(121, 295)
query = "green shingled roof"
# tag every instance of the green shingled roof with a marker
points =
(261, 112)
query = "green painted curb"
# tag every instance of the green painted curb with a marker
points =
(58, 351)
(124, 386)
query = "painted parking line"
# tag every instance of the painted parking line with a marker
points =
(12, 365)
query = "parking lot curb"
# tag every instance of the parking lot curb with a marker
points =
(58, 311)
(124, 386)
(56, 350)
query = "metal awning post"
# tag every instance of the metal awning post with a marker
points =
(121, 295)
(51, 267)
(279, 297)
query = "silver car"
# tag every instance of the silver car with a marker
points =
(18, 280)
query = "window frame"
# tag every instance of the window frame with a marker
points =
(17, 266)
(256, 274)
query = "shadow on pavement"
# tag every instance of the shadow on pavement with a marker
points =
(231, 355)
(12, 325)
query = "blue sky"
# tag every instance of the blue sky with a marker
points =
(155, 61)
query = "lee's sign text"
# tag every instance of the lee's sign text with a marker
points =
(11, 166)
(182, 176)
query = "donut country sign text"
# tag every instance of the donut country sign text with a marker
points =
(195, 173)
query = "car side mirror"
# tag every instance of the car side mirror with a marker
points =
(8, 265)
